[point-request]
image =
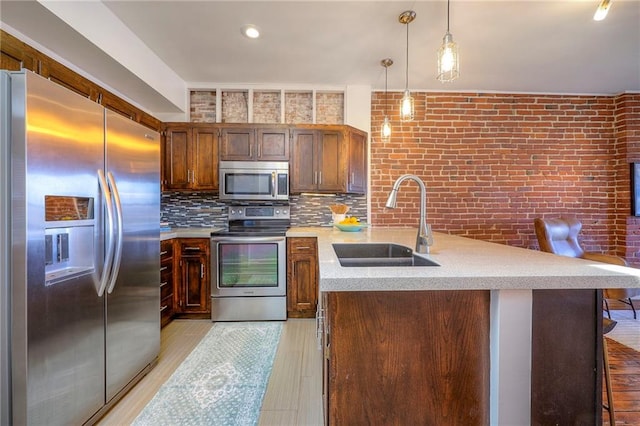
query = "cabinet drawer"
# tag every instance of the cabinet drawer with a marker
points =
(166, 310)
(166, 270)
(302, 245)
(166, 289)
(194, 246)
(166, 250)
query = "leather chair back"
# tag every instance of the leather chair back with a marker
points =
(559, 236)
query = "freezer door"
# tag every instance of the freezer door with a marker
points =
(57, 326)
(133, 298)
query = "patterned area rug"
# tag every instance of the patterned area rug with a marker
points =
(222, 382)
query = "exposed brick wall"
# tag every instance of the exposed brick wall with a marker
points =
(266, 107)
(235, 107)
(627, 133)
(298, 107)
(203, 106)
(494, 162)
(329, 108)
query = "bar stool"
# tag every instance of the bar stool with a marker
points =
(607, 326)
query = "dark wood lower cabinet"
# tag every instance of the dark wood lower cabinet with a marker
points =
(407, 358)
(566, 363)
(166, 282)
(193, 288)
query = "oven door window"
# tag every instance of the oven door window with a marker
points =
(248, 265)
(248, 183)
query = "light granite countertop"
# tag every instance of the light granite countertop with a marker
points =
(187, 233)
(465, 263)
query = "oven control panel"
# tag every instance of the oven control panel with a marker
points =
(259, 212)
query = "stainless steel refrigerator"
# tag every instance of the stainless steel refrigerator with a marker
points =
(79, 218)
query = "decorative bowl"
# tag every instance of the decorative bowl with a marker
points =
(350, 227)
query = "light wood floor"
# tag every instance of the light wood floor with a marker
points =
(294, 392)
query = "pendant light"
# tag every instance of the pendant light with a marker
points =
(602, 10)
(385, 129)
(448, 58)
(406, 105)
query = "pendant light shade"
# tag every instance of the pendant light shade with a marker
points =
(448, 58)
(407, 106)
(385, 129)
(602, 10)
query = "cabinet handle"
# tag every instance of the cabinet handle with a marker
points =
(163, 268)
(353, 177)
(320, 180)
(250, 151)
(162, 253)
(259, 151)
(164, 307)
(163, 284)
(303, 248)
(202, 270)
(188, 176)
(319, 326)
(191, 248)
(315, 178)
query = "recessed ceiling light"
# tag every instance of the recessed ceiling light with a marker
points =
(251, 31)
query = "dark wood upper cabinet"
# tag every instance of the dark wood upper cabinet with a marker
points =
(16, 55)
(328, 159)
(190, 157)
(357, 176)
(254, 143)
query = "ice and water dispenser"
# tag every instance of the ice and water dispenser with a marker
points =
(69, 237)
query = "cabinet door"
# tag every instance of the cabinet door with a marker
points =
(302, 277)
(194, 289)
(330, 169)
(237, 144)
(65, 77)
(15, 55)
(357, 177)
(272, 144)
(194, 297)
(204, 158)
(176, 174)
(303, 154)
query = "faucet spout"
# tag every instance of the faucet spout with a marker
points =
(425, 237)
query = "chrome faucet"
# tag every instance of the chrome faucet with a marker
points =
(425, 237)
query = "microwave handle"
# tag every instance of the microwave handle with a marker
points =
(273, 184)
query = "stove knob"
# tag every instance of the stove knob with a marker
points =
(232, 212)
(277, 212)
(284, 212)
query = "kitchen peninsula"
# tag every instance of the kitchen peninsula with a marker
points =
(494, 335)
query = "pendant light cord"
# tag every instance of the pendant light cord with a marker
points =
(407, 61)
(447, 16)
(386, 69)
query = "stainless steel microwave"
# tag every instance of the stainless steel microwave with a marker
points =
(254, 180)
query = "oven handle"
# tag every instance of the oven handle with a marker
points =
(247, 240)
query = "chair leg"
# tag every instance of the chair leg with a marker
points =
(607, 379)
(632, 307)
(606, 307)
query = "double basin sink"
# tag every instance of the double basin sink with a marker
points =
(378, 254)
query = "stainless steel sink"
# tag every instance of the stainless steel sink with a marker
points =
(378, 254)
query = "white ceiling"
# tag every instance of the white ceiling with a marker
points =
(151, 50)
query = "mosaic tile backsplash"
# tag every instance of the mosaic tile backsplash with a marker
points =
(190, 210)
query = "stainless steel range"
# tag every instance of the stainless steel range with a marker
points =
(248, 265)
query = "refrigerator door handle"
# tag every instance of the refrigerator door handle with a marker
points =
(108, 258)
(115, 269)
